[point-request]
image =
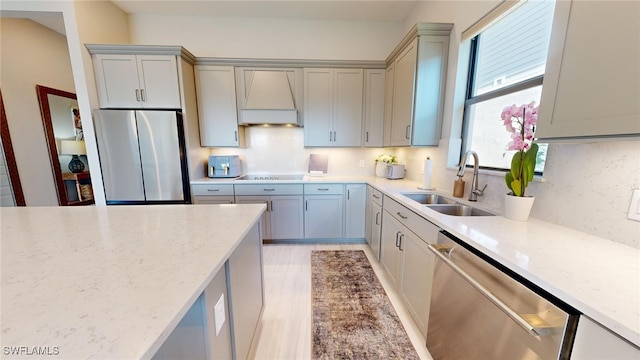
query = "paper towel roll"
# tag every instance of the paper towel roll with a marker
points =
(426, 178)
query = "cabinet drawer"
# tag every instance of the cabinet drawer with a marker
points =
(212, 189)
(376, 196)
(427, 231)
(323, 189)
(268, 189)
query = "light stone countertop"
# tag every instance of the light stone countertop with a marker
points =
(598, 277)
(109, 282)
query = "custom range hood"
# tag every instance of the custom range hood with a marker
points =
(268, 96)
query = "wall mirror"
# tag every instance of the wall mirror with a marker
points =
(65, 141)
(10, 187)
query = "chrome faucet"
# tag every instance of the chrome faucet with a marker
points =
(475, 191)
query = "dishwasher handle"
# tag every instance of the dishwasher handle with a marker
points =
(532, 323)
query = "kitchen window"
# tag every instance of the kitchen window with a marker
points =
(506, 66)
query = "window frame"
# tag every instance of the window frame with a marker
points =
(470, 100)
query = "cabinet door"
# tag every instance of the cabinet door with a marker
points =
(403, 91)
(596, 342)
(266, 216)
(389, 81)
(323, 216)
(376, 229)
(117, 81)
(368, 218)
(318, 107)
(431, 76)
(159, 86)
(347, 107)
(390, 255)
(374, 102)
(216, 92)
(286, 217)
(355, 210)
(417, 277)
(245, 288)
(591, 84)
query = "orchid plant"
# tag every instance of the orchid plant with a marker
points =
(389, 159)
(520, 121)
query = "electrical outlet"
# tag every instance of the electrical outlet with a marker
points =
(361, 163)
(219, 314)
(634, 207)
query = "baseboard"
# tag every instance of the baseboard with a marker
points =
(315, 241)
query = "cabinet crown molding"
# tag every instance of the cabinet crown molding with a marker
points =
(419, 29)
(292, 63)
(142, 50)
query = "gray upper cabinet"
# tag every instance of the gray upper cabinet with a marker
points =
(414, 101)
(216, 91)
(333, 107)
(127, 81)
(592, 79)
(373, 107)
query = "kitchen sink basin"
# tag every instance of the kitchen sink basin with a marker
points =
(423, 198)
(459, 210)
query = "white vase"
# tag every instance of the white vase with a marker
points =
(381, 169)
(516, 207)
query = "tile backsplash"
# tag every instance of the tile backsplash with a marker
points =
(586, 187)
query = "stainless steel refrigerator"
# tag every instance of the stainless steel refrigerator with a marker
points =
(142, 156)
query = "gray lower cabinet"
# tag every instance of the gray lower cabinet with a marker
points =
(323, 215)
(354, 211)
(219, 335)
(284, 216)
(406, 258)
(245, 281)
(373, 220)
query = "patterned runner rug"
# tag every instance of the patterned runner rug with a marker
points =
(352, 315)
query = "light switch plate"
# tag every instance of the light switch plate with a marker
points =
(361, 163)
(219, 314)
(634, 207)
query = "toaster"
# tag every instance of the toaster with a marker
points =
(395, 172)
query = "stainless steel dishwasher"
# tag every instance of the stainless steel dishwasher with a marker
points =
(480, 311)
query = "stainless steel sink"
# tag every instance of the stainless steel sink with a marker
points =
(423, 198)
(459, 210)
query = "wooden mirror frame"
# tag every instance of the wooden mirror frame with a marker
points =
(12, 166)
(45, 110)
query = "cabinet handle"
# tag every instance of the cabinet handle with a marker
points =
(142, 95)
(235, 133)
(407, 132)
(306, 205)
(334, 136)
(138, 95)
(398, 238)
(348, 194)
(378, 218)
(323, 189)
(330, 136)
(366, 136)
(269, 189)
(402, 216)
(401, 238)
(271, 205)
(213, 189)
(376, 196)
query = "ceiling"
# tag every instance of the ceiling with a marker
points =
(359, 10)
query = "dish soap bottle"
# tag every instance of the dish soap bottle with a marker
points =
(458, 187)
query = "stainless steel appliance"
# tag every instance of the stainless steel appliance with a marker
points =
(395, 172)
(142, 156)
(479, 311)
(228, 166)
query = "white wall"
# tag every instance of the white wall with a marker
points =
(281, 38)
(268, 37)
(32, 55)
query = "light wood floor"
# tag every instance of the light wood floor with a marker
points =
(286, 322)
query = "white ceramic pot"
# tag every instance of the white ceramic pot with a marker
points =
(381, 169)
(516, 207)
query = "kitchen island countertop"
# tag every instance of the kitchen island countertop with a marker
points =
(109, 282)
